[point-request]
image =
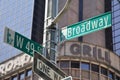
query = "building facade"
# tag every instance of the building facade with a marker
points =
(16, 15)
(27, 18)
(22, 17)
(116, 25)
(85, 61)
(89, 57)
(17, 68)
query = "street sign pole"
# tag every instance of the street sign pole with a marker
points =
(20, 42)
(51, 18)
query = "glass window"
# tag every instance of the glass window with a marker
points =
(117, 19)
(85, 66)
(117, 39)
(111, 75)
(29, 72)
(15, 15)
(103, 71)
(14, 78)
(95, 68)
(116, 13)
(64, 64)
(21, 76)
(117, 26)
(116, 7)
(117, 51)
(75, 64)
(114, 48)
(114, 2)
(117, 32)
(117, 46)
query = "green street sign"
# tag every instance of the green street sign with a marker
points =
(22, 43)
(85, 27)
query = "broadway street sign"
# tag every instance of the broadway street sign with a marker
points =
(85, 27)
(45, 69)
(20, 42)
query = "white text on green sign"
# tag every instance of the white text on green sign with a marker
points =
(86, 27)
(22, 43)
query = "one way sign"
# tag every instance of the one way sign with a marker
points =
(46, 69)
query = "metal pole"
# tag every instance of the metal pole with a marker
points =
(50, 28)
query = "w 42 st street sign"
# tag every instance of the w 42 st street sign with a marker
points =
(85, 27)
(20, 42)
